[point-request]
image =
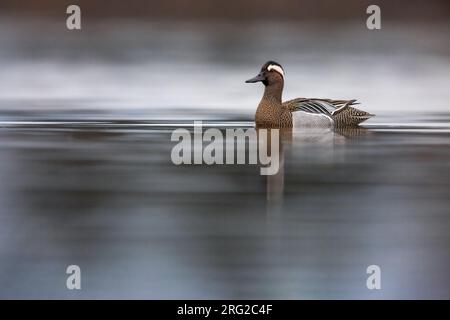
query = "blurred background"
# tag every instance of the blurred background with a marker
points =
(232, 11)
(86, 176)
(155, 55)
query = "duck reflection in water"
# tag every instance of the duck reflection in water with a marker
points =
(313, 144)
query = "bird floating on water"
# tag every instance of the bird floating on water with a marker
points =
(300, 112)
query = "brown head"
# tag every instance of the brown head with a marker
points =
(272, 76)
(271, 73)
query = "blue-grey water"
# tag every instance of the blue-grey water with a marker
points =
(86, 176)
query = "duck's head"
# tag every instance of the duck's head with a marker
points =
(271, 72)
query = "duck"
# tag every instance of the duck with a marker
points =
(272, 112)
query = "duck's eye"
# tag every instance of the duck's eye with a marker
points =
(276, 68)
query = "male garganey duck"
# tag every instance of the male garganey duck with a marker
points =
(300, 112)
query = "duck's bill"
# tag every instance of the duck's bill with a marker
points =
(259, 77)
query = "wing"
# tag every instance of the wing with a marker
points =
(319, 106)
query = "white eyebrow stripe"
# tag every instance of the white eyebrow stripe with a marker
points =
(276, 68)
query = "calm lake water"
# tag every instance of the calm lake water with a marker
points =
(86, 176)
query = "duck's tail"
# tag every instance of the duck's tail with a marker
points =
(351, 117)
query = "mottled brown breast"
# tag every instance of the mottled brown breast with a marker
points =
(270, 114)
(286, 118)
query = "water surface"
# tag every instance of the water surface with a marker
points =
(107, 197)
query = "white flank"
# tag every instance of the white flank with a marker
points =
(302, 119)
